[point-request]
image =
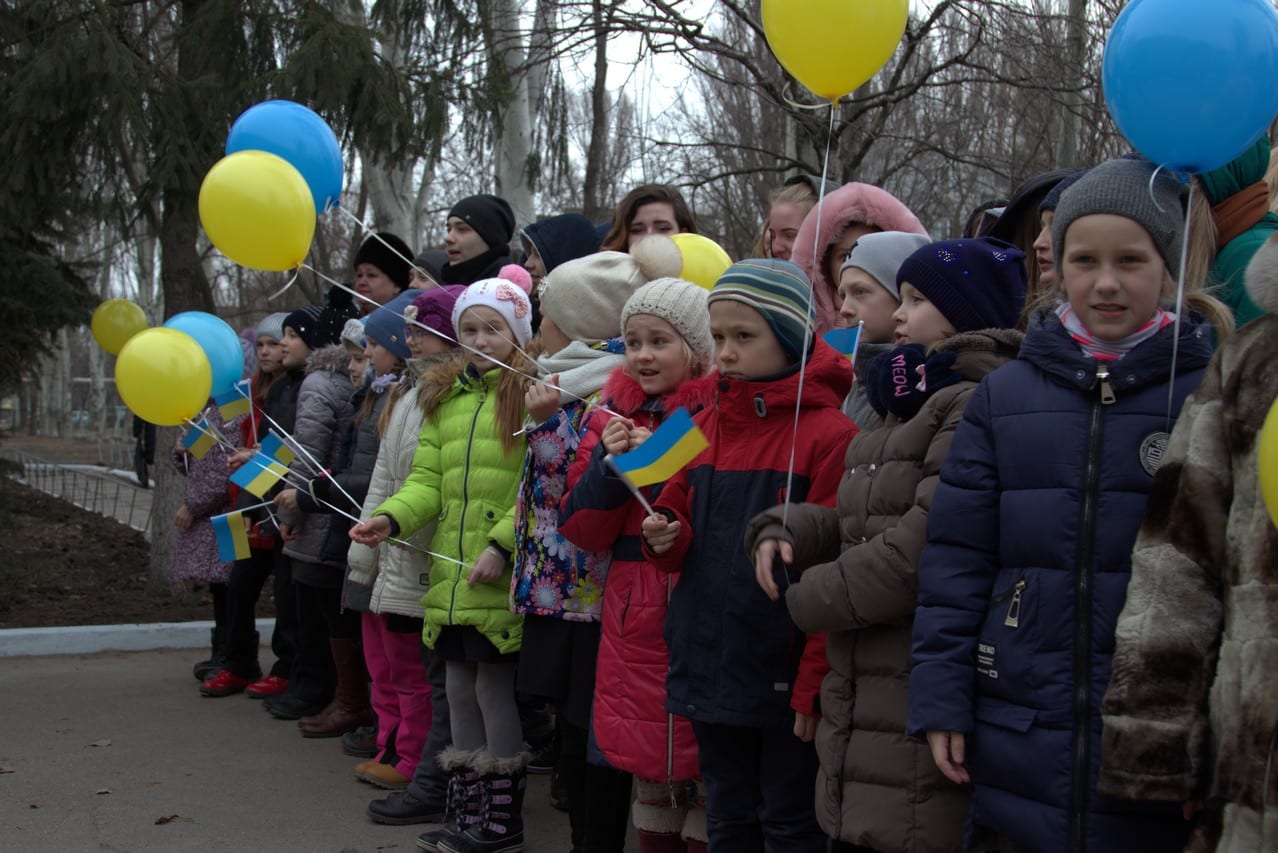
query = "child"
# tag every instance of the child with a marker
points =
(1191, 710)
(1032, 525)
(666, 329)
(399, 578)
(735, 655)
(846, 215)
(868, 294)
(878, 788)
(466, 474)
(557, 587)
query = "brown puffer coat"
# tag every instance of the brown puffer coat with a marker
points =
(876, 786)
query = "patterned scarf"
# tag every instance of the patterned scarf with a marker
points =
(1111, 350)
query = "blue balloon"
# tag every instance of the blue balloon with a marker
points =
(1193, 84)
(296, 134)
(219, 342)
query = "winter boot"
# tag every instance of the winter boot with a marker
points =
(659, 813)
(349, 708)
(694, 825)
(500, 828)
(206, 669)
(465, 797)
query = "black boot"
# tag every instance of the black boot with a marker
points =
(500, 828)
(465, 797)
(206, 669)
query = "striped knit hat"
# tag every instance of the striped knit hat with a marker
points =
(776, 289)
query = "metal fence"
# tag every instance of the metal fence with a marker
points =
(88, 487)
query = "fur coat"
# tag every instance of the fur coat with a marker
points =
(1192, 708)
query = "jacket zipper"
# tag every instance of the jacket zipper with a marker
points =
(1083, 570)
(1013, 618)
(461, 521)
(674, 800)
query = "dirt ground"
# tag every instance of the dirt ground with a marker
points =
(66, 566)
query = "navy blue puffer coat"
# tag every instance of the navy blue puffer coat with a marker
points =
(1025, 572)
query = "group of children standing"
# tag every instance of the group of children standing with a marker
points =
(877, 612)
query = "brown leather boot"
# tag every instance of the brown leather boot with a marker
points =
(349, 708)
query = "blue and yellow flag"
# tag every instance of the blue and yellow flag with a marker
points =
(232, 537)
(675, 443)
(274, 447)
(233, 403)
(198, 440)
(845, 340)
(259, 474)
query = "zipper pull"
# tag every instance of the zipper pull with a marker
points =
(1013, 619)
(1106, 390)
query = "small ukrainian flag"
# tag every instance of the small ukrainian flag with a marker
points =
(259, 474)
(198, 440)
(845, 340)
(233, 403)
(675, 443)
(232, 536)
(274, 446)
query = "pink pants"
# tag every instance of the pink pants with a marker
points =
(400, 692)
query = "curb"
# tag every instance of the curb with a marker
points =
(90, 639)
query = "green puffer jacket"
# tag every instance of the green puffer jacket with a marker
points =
(462, 476)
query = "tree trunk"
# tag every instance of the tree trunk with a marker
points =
(514, 121)
(595, 206)
(1072, 98)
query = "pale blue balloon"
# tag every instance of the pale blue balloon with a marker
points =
(298, 135)
(219, 342)
(1192, 84)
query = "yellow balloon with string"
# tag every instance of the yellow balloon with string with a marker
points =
(833, 46)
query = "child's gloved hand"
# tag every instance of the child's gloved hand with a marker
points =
(901, 380)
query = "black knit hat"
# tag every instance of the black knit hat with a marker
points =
(490, 216)
(321, 325)
(977, 282)
(389, 254)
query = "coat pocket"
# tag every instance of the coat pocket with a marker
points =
(1009, 640)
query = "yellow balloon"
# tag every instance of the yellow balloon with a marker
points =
(258, 210)
(114, 322)
(704, 260)
(163, 376)
(1267, 462)
(833, 46)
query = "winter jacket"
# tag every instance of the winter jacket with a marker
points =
(195, 555)
(735, 654)
(1028, 558)
(630, 722)
(877, 787)
(553, 577)
(323, 414)
(562, 238)
(1250, 225)
(1192, 707)
(850, 203)
(399, 575)
(465, 478)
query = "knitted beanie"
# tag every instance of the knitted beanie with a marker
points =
(273, 326)
(584, 297)
(881, 254)
(385, 325)
(434, 310)
(977, 283)
(1053, 197)
(776, 289)
(432, 263)
(339, 306)
(1123, 187)
(504, 298)
(389, 254)
(302, 322)
(353, 334)
(684, 306)
(490, 216)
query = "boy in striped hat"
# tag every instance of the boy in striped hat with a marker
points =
(739, 668)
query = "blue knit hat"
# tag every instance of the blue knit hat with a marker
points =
(776, 289)
(385, 325)
(977, 282)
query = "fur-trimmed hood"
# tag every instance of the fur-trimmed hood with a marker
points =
(624, 395)
(1262, 276)
(333, 358)
(853, 202)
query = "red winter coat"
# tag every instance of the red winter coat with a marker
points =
(631, 725)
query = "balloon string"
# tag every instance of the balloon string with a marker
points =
(285, 288)
(809, 107)
(1180, 300)
(807, 327)
(378, 237)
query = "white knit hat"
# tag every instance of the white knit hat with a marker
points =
(503, 297)
(584, 296)
(684, 306)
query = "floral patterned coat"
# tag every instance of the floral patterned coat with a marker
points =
(195, 555)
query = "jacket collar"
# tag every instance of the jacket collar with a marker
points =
(625, 397)
(826, 381)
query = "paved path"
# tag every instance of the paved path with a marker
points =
(118, 751)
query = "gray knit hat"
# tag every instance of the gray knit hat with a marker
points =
(273, 326)
(1123, 187)
(683, 305)
(881, 254)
